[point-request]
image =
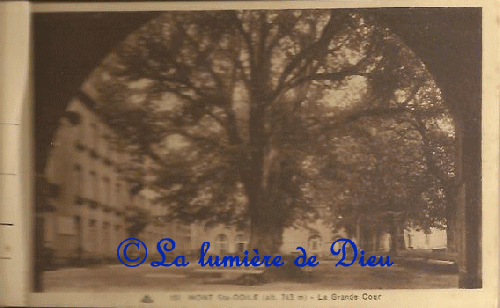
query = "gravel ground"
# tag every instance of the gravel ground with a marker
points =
(118, 278)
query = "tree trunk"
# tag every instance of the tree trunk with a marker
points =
(378, 234)
(268, 212)
(468, 206)
(451, 222)
(393, 244)
(393, 232)
(266, 236)
(358, 232)
(39, 264)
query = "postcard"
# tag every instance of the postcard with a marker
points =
(262, 154)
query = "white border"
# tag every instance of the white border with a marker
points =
(486, 297)
(247, 5)
(14, 92)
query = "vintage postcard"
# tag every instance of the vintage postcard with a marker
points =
(262, 154)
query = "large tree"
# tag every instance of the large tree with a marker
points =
(233, 105)
(391, 168)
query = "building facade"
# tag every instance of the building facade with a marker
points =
(93, 201)
(315, 238)
(434, 239)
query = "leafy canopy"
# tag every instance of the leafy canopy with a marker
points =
(350, 114)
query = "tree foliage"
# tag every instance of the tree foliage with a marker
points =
(274, 117)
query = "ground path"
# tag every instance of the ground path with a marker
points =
(119, 278)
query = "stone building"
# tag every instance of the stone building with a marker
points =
(91, 200)
(223, 239)
(315, 238)
(434, 239)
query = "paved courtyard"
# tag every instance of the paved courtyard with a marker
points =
(119, 278)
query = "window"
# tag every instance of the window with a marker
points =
(95, 135)
(105, 236)
(93, 235)
(222, 243)
(78, 231)
(315, 242)
(117, 234)
(48, 229)
(81, 133)
(79, 180)
(79, 136)
(76, 220)
(111, 147)
(107, 190)
(240, 243)
(105, 147)
(118, 194)
(95, 185)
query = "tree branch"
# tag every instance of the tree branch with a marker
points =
(354, 70)
(246, 37)
(239, 65)
(206, 63)
(305, 54)
(428, 153)
(336, 76)
(377, 112)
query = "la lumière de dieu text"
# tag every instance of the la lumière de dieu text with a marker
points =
(347, 259)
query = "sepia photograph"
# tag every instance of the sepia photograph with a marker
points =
(322, 138)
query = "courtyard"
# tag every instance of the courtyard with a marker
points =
(119, 278)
